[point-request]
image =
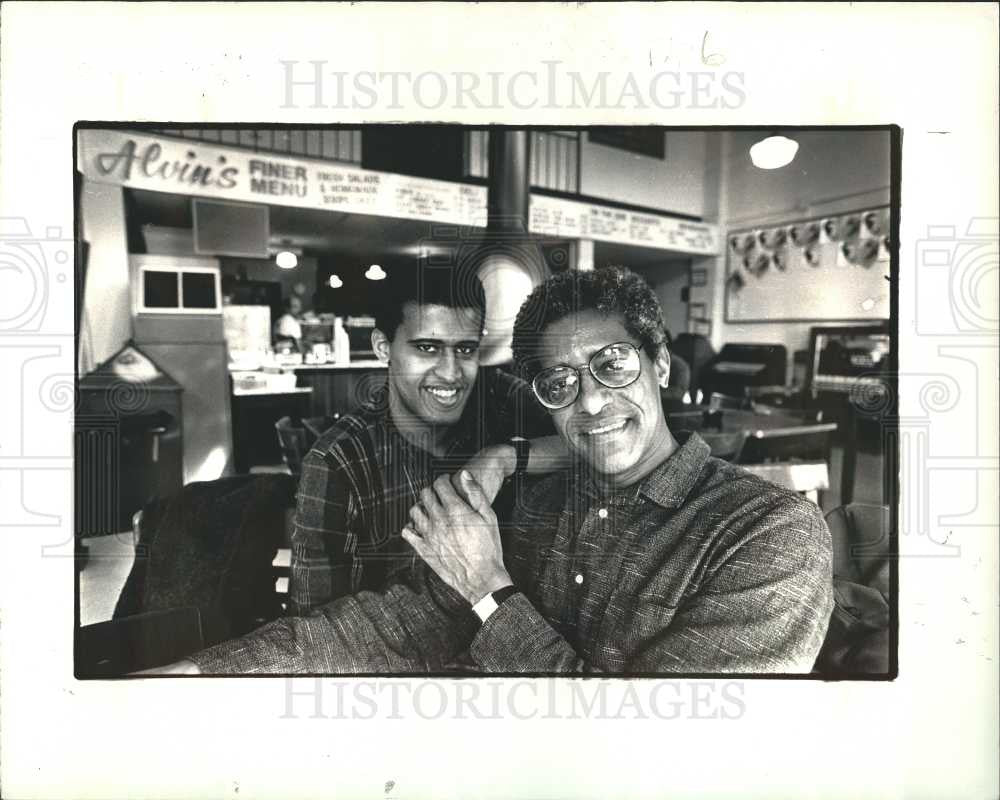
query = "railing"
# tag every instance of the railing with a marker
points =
(554, 158)
(330, 145)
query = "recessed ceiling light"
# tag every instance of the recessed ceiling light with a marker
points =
(286, 259)
(375, 273)
(335, 282)
(773, 152)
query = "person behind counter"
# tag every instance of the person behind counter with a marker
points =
(287, 325)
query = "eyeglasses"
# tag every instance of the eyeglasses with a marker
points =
(616, 366)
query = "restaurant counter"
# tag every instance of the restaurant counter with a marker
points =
(339, 388)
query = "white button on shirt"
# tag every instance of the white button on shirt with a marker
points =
(579, 579)
(602, 513)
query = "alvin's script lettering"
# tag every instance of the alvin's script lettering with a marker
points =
(150, 162)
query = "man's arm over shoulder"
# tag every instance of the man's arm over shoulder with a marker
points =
(515, 413)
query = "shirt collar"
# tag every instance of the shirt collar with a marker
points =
(668, 485)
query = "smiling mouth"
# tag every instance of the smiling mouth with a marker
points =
(608, 429)
(445, 397)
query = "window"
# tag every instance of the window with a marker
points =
(554, 158)
(169, 289)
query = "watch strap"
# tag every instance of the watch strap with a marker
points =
(491, 602)
(522, 448)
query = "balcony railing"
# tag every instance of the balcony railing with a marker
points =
(554, 158)
(330, 145)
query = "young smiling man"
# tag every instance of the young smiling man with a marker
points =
(436, 412)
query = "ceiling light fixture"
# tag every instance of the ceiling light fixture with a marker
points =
(286, 259)
(334, 282)
(375, 273)
(773, 152)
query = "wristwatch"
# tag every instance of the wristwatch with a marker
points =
(522, 447)
(492, 602)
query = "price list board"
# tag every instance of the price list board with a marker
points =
(571, 219)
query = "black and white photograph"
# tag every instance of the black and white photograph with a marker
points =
(420, 399)
(612, 385)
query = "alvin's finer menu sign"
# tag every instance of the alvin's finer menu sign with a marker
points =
(208, 170)
(194, 168)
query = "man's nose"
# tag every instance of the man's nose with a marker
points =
(593, 396)
(447, 365)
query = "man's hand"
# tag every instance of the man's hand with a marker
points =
(488, 468)
(184, 667)
(458, 539)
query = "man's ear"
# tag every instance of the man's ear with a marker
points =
(381, 345)
(662, 366)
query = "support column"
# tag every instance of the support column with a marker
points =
(514, 263)
(585, 254)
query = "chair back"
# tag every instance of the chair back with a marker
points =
(697, 351)
(718, 401)
(293, 441)
(800, 443)
(738, 366)
(212, 546)
(316, 427)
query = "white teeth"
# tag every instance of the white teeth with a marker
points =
(616, 426)
(444, 394)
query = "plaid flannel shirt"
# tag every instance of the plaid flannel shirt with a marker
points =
(701, 568)
(360, 479)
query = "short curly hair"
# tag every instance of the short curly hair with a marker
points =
(423, 283)
(607, 290)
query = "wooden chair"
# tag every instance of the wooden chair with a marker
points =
(317, 426)
(293, 440)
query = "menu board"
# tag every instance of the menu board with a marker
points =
(194, 168)
(572, 219)
(207, 170)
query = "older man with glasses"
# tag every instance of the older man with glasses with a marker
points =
(649, 556)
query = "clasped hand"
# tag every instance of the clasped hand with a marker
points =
(458, 537)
